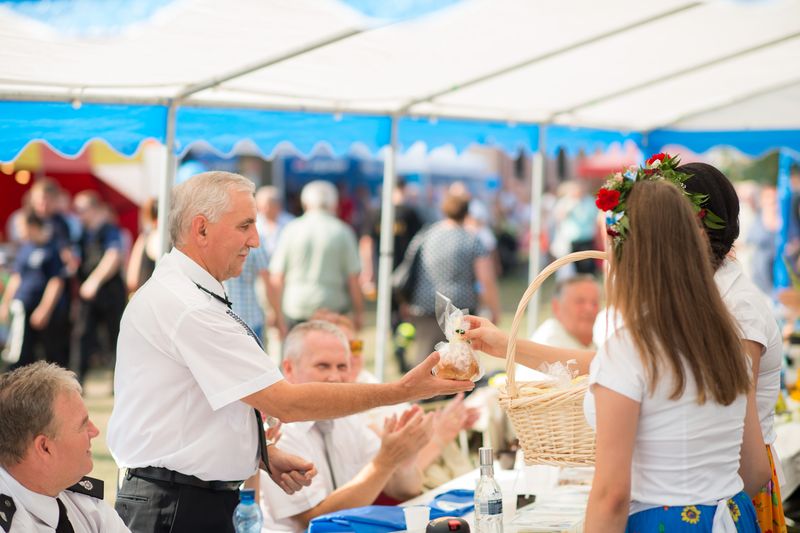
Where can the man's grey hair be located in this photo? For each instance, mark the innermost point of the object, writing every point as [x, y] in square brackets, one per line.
[294, 344]
[320, 195]
[27, 395]
[562, 285]
[207, 194]
[266, 194]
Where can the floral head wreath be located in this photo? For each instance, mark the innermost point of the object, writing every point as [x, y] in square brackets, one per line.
[613, 196]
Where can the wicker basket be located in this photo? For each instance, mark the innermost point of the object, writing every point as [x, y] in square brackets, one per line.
[549, 422]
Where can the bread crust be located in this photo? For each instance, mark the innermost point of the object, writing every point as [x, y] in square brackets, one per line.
[450, 371]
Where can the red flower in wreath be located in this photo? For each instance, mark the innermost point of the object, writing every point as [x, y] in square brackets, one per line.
[607, 199]
[657, 157]
[702, 214]
[611, 232]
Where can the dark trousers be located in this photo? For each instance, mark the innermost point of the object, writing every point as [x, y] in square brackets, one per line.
[586, 266]
[50, 343]
[163, 507]
[101, 314]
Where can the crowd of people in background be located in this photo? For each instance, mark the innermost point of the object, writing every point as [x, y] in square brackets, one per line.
[66, 293]
[70, 267]
[74, 267]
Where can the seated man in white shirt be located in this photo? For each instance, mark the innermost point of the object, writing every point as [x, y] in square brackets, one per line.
[575, 305]
[440, 459]
[355, 465]
[45, 450]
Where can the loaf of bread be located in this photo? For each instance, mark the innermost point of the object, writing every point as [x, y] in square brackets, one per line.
[448, 370]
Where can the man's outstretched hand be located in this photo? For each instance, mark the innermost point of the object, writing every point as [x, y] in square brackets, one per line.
[421, 383]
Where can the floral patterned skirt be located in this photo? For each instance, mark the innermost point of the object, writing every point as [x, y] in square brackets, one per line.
[693, 518]
[769, 505]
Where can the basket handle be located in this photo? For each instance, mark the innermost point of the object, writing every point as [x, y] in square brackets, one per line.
[523, 304]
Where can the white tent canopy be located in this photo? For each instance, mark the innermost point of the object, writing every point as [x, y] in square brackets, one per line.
[621, 64]
[530, 74]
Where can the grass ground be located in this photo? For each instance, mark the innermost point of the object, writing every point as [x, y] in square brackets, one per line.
[100, 400]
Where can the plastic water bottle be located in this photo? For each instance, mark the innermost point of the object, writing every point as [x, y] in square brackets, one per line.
[488, 497]
[247, 516]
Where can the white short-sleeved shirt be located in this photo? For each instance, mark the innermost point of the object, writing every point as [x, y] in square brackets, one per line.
[38, 513]
[552, 333]
[753, 314]
[752, 311]
[354, 446]
[183, 365]
[685, 453]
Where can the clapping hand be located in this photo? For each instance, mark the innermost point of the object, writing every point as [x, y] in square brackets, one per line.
[273, 433]
[452, 419]
[402, 437]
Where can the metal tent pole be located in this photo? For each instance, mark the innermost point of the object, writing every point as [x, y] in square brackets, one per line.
[386, 254]
[537, 191]
[167, 181]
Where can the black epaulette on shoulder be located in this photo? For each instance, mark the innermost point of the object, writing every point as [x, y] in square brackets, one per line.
[88, 486]
[7, 510]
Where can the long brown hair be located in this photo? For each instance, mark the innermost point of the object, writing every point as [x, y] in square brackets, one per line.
[663, 284]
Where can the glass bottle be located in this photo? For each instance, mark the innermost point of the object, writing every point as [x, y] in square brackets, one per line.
[488, 498]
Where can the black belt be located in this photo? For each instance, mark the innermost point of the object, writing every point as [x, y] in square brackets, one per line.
[155, 473]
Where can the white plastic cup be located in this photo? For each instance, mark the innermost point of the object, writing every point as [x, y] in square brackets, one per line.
[508, 481]
[509, 506]
[417, 517]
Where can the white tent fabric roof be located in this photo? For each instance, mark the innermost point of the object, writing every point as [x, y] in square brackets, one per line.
[621, 64]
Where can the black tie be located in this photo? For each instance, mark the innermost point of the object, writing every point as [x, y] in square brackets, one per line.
[262, 442]
[63, 521]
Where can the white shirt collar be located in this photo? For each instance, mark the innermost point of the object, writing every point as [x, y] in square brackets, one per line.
[197, 273]
[43, 507]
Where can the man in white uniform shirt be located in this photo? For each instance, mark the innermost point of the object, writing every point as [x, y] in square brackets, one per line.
[355, 464]
[45, 450]
[191, 377]
[575, 305]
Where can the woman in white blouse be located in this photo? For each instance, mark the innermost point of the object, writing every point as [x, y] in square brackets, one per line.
[669, 389]
[759, 329]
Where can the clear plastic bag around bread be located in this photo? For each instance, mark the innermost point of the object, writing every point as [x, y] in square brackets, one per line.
[458, 360]
[564, 374]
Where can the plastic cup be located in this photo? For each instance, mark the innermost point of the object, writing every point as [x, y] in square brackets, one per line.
[417, 517]
[509, 506]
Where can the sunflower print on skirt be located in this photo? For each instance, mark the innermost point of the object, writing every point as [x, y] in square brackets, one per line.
[693, 518]
[690, 514]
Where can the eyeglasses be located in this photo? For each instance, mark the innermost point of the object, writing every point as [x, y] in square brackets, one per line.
[356, 346]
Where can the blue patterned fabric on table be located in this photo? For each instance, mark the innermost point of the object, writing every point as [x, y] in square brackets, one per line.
[383, 519]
